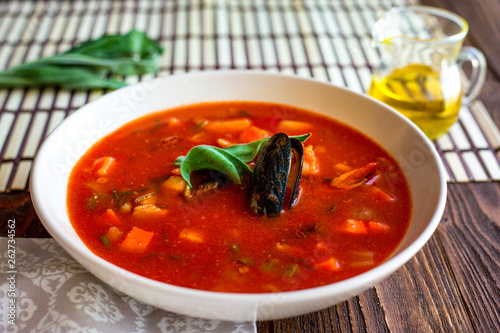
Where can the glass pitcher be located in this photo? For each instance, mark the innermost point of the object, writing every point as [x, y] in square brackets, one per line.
[419, 72]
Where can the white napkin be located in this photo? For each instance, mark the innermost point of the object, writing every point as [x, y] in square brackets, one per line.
[51, 292]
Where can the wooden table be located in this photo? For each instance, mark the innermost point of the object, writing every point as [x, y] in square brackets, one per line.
[452, 284]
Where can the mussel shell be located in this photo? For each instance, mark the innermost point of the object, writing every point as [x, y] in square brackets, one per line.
[268, 184]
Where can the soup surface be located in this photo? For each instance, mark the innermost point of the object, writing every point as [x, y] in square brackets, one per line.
[130, 205]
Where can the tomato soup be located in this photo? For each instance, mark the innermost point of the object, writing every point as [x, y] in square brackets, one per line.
[131, 205]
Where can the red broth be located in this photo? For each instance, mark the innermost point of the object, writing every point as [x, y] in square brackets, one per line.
[129, 205]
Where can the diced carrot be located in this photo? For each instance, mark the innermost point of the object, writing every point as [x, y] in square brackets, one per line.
[102, 166]
[175, 183]
[331, 264]
[310, 163]
[233, 126]
[176, 171]
[114, 234]
[191, 235]
[354, 226]
[378, 227]
[110, 218]
[380, 195]
[322, 246]
[294, 126]
[253, 133]
[362, 259]
[137, 240]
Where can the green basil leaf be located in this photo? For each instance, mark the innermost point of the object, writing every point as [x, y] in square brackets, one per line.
[90, 64]
[213, 158]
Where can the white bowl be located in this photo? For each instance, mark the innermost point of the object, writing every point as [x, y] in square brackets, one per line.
[404, 141]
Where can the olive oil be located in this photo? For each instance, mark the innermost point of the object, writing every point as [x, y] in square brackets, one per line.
[430, 99]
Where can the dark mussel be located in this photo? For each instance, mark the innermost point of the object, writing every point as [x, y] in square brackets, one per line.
[276, 175]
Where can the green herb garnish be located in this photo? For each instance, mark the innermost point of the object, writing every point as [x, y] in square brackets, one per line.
[90, 64]
[230, 160]
[149, 195]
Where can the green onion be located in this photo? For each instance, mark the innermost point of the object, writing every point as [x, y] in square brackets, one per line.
[230, 161]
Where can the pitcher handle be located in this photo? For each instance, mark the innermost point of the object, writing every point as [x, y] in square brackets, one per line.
[478, 75]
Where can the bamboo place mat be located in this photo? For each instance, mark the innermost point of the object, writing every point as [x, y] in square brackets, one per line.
[327, 40]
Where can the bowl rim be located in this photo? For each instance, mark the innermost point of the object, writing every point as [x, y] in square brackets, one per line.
[345, 286]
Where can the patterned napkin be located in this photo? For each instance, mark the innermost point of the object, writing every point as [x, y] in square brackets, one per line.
[51, 292]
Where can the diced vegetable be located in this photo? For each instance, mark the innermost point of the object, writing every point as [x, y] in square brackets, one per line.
[342, 167]
[354, 227]
[137, 240]
[380, 195]
[125, 208]
[378, 227]
[243, 269]
[174, 121]
[355, 177]
[245, 261]
[322, 246]
[362, 259]
[290, 250]
[105, 240]
[233, 126]
[235, 248]
[310, 164]
[253, 133]
[102, 166]
[200, 137]
[291, 270]
[175, 183]
[110, 218]
[294, 126]
[114, 234]
[223, 142]
[331, 264]
[92, 64]
[99, 201]
[191, 235]
[149, 198]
